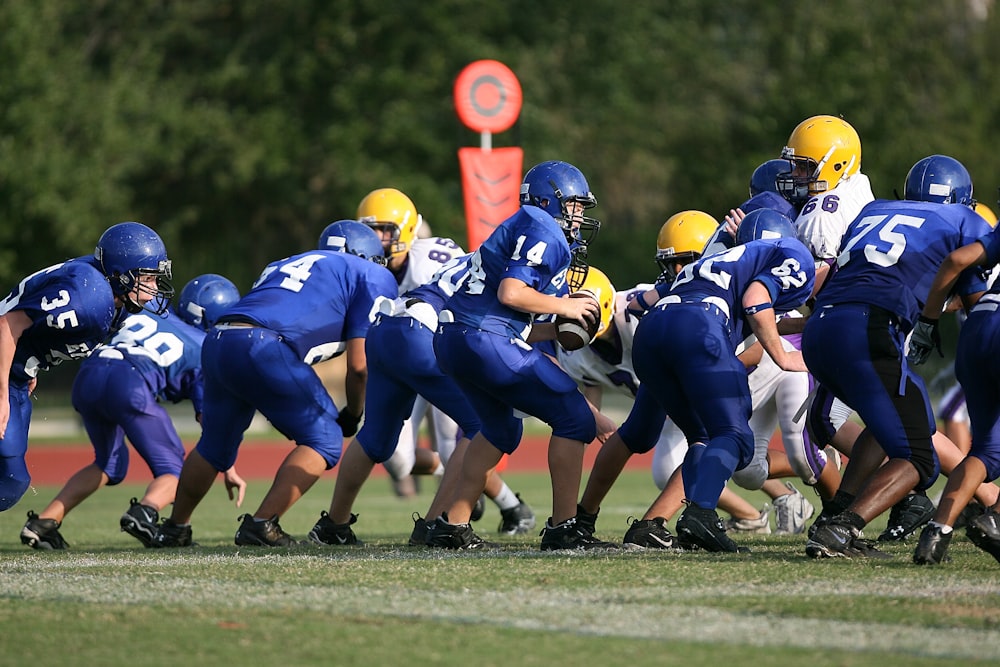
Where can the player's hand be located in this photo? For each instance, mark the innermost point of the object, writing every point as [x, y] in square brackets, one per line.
[925, 337]
[348, 422]
[584, 311]
[606, 427]
[236, 486]
[733, 220]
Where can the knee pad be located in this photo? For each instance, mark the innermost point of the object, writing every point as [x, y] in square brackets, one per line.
[12, 488]
[753, 476]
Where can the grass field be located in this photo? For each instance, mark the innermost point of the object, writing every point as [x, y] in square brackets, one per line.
[107, 601]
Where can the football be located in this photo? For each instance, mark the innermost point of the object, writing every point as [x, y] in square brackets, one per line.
[570, 334]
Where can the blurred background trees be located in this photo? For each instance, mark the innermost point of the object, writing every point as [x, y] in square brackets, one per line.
[239, 129]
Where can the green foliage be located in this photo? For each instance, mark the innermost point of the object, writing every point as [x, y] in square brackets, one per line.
[239, 129]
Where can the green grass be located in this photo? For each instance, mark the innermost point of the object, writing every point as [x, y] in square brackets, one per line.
[107, 601]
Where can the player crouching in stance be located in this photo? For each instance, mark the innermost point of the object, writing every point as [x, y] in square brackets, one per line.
[706, 313]
[482, 342]
[302, 310]
[118, 392]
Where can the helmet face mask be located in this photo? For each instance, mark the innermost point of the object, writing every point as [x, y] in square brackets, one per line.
[205, 298]
[823, 150]
[561, 190]
[134, 260]
[392, 214]
[681, 240]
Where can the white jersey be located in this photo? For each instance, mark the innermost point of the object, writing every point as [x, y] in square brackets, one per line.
[825, 217]
[607, 363]
[425, 258]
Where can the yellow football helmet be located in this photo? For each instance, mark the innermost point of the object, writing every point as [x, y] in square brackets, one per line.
[986, 213]
[682, 238]
[824, 150]
[389, 210]
[598, 284]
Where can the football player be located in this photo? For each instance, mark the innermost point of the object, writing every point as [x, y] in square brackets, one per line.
[707, 312]
[976, 369]
[853, 343]
[483, 342]
[302, 310]
[63, 312]
[414, 260]
[118, 392]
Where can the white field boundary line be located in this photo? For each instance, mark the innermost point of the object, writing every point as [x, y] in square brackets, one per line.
[643, 613]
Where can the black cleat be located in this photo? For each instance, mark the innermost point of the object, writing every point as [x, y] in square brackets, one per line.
[913, 511]
[444, 535]
[984, 532]
[169, 534]
[568, 535]
[478, 509]
[334, 534]
[518, 520]
[266, 533]
[42, 534]
[418, 537]
[840, 540]
[649, 534]
[586, 521]
[932, 546]
[140, 521]
[702, 528]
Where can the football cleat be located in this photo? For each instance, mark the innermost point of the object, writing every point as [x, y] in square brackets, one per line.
[444, 535]
[169, 534]
[932, 546]
[140, 521]
[42, 534]
[913, 511]
[478, 509]
[266, 533]
[648, 534]
[791, 512]
[517, 520]
[761, 525]
[569, 536]
[702, 528]
[418, 537]
[984, 532]
[334, 534]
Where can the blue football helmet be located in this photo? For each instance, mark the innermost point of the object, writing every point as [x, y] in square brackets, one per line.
[127, 253]
[353, 237]
[205, 298]
[764, 223]
[552, 186]
[765, 176]
[939, 179]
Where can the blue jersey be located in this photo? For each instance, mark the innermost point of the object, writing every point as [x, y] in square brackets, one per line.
[782, 265]
[165, 350]
[72, 309]
[529, 246]
[316, 301]
[773, 201]
[891, 253]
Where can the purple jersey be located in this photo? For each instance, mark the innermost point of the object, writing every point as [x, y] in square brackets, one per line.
[165, 350]
[72, 310]
[891, 253]
[782, 265]
[316, 301]
[529, 246]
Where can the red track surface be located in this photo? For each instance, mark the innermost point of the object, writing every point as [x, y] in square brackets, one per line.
[54, 464]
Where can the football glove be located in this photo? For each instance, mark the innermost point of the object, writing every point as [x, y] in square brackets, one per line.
[925, 337]
[348, 423]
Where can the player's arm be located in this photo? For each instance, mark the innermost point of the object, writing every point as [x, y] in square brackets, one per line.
[760, 315]
[12, 325]
[948, 273]
[354, 385]
[518, 295]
